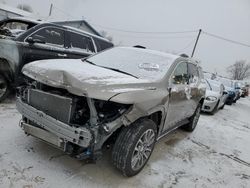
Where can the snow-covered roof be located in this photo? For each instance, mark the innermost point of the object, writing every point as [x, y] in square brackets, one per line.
[28, 19]
[81, 31]
[14, 10]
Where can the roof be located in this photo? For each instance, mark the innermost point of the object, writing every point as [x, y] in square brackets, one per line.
[35, 21]
[82, 31]
[14, 10]
[80, 23]
[26, 19]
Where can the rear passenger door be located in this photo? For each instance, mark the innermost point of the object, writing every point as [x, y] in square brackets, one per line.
[177, 105]
[78, 45]
[193, 82]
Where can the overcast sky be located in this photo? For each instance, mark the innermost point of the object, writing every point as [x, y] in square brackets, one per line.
[228, 18]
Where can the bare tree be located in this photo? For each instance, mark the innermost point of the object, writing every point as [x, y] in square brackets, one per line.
[239, 70]
[25, 7]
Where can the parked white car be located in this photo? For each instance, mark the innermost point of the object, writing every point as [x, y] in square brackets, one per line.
[215, 96]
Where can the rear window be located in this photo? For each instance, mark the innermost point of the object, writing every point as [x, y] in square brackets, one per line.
[102, 45]
[81, 42]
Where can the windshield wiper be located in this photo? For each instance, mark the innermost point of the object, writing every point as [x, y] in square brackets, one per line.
[118, 70]
[90, 62]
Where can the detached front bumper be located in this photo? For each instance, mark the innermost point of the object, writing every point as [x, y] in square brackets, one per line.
[208, 106]
[51, 130]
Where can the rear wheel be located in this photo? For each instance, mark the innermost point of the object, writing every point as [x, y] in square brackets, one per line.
[134, 146]
[193, 120]
[4, 88]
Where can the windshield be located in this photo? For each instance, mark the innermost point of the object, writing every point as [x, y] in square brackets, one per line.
[140, 63]
[215, 86]
[208, 85]
[226, 82]
[238, 84]
[14, 28]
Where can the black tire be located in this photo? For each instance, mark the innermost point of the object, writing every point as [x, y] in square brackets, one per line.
[215, 108]
[193, 120]
[222, 107]
[4, 88]
[229, 102]
[128, 139]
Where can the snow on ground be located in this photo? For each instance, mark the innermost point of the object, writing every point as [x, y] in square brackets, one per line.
[216, 154]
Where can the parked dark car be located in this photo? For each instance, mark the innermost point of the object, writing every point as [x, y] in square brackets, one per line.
[233, 94]
[24, 40]
[128, 97]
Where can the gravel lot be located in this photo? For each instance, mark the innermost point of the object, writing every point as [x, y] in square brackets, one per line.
[216, 154]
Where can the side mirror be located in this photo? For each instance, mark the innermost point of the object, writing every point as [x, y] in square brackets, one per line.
[31, 40]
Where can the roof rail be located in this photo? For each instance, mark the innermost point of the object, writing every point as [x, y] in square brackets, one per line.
[184, 55]
[139, 46]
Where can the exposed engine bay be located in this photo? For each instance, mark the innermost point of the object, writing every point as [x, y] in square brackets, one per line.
[81, 116]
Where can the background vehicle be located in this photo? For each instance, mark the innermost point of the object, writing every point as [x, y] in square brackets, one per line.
[128, 96]
[232, 92]
[237, 85]
[24, 40]
[216, 96]
[245, 88]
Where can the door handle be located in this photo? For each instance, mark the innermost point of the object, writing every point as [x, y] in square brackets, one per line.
[62, 55]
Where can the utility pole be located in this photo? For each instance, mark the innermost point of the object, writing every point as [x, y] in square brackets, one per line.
[50, 10]
[197, 39]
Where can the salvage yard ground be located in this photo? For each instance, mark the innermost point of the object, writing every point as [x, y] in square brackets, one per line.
[216, 154]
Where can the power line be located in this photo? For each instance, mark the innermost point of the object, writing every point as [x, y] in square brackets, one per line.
[225, 39]
[144, 32]
[187, 46]
[158, 32]
[157, 36]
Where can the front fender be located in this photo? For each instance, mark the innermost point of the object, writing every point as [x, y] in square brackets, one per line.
[9, 55]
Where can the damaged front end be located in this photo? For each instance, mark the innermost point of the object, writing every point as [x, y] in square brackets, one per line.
[79, 125]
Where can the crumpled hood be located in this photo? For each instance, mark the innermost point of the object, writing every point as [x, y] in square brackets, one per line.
[81, 78]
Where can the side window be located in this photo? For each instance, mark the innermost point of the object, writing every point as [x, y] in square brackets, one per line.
[50, 36]
[193, 73]
[97, 45]
[102, 45]
[201, 73]
[81, 42]
[180, 75]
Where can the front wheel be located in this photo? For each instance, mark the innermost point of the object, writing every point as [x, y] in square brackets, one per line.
[222, 107]
[134, 147]
[215, 108]
[193, 120]
[4, 88]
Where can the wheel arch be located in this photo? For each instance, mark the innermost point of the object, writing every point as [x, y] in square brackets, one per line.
[155, 115]
[202, 101]
[6, 70]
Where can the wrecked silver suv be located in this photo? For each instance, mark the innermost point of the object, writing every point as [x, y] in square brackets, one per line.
[125, 97]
